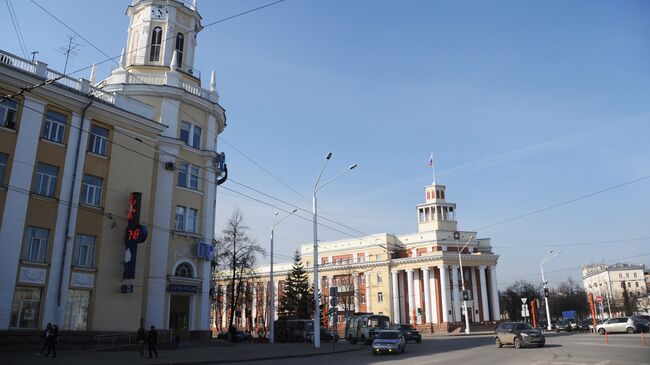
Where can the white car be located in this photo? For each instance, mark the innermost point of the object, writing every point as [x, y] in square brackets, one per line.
[388, 341]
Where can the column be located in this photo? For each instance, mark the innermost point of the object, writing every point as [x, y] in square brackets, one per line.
[456, 293]
[277, 299]
[15, 208]
[355, 282]
[254, 311]
[494, 299]
[368, 293]
[484, 294]
[411, 316]
[265, 305]
[434, 297]
[444, 293]
[418, 297]
[474, 295]
[395, 295]
[427, 295]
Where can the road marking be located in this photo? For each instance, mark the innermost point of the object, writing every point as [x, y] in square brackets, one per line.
[610, 345]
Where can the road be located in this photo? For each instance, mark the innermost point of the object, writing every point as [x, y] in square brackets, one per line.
[570, 349]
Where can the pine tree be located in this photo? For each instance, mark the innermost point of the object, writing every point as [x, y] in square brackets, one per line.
[297, 297]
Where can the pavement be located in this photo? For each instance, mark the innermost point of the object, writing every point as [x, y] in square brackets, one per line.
[214, 352]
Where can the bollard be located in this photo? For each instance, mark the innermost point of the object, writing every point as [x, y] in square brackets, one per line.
[606, 339]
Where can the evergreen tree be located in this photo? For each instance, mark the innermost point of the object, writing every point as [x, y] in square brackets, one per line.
[297, 295]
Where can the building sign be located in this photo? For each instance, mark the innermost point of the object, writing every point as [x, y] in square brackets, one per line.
[135, 233]
[183, 288]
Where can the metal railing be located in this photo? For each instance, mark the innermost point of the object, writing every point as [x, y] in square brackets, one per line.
[115, 340]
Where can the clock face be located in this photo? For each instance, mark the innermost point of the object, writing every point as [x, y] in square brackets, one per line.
[159, 12]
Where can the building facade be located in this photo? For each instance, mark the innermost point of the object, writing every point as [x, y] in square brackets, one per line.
[414, 278]
[107, 190]
[612, 281]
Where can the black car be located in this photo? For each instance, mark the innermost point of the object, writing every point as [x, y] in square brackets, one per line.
[585, 325]
[408, 332]
[563, 326]
[518, 334]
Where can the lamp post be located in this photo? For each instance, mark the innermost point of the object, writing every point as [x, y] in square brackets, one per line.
[315, 228]
[549, 256]
[272, 289]
[462, 280]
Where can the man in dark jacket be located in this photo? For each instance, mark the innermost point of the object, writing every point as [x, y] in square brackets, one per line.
[52, 337]
[140, 337]
[44, 337]
[152, 341]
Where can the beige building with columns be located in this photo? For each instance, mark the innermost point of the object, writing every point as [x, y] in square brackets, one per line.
[72, 152]
[413, 278]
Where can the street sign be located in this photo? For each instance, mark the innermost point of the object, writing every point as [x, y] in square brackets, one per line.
[524, 300]
[599, 299]
[334, 301]
[334, 291]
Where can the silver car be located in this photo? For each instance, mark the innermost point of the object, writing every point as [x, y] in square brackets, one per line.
[388, 341]
[620, 325]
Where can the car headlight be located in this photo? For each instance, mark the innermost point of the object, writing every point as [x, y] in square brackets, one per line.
[524, 334]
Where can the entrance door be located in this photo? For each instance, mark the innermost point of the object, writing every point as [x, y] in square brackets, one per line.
[179, 316]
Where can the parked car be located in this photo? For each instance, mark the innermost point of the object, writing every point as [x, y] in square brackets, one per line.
[223, 336]
[641, 317]
[242, 336]
[586, 324]
[591, 326]
[409, 333]
[563, 326]
[544, 325]
[518, 334]
[575, 325]
[622, 325]
[390, 341]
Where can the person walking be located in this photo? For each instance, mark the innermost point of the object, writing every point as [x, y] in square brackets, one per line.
[44, 337]
[140, 337]
[152, 341]
[52, 337]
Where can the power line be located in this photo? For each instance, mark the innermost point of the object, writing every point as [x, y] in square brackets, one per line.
[14, 21]
[589, 243]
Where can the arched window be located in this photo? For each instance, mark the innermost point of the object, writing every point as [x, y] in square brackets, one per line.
[180, 40]
[156, 39]
[184, 270]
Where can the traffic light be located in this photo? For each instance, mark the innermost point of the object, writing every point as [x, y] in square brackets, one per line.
[546, 295]
[466, 295]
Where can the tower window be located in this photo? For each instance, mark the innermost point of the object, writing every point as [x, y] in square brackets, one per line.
[156, 38]
[180, 40]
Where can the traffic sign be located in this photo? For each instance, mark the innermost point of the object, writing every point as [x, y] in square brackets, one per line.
[599, 299]
[524, 300]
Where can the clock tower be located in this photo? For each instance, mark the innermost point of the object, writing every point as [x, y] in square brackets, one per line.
[159, 31]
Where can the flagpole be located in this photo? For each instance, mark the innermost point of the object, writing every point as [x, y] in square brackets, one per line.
[433, 168]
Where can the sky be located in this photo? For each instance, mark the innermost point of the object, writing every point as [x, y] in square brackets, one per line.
[537, 115]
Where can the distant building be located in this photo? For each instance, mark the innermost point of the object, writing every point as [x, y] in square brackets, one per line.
[413, 278]
[611, 281]
[73, 151]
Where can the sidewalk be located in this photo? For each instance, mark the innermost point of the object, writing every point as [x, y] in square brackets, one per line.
[216, 352]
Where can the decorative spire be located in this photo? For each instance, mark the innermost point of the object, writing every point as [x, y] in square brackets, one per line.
[173, 64]
[213, 82]
[194, 5]
[122, 58]
[93, 73]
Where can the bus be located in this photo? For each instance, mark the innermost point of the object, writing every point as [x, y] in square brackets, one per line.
[363, 327]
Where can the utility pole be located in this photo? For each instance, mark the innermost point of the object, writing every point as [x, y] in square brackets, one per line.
[33, 55]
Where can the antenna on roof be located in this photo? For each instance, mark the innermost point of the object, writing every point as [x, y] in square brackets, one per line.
[68, 51]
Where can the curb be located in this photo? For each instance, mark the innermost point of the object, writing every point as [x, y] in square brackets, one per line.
[274, 357]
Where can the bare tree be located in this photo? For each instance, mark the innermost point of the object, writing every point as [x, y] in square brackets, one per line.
[236, 260]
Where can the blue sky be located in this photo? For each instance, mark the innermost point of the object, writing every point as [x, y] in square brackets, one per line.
[524, 105]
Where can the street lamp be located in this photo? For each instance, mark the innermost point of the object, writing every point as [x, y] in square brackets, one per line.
[549, 256]
[462, 280]
[314, 219]
[272, 315]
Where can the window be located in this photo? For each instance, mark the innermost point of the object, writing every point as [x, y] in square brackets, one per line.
[180, 218]
[35, 248]
[8, 113]
[76, 310]
[54, 127]
[156, 38]
[180, 40]
[629, 285]
[98, 143]
[185, 132]
[380, 297]
[620, 275]
[379, 278]
[26, 307]
[627, 274]
[637, 284]
[84, 252]
[192, 215]
[91, 190]
[196, 138]
[635, 275]
[363, 299]
[188, 176]
[45, 182]
[184, 270]
[3, 167]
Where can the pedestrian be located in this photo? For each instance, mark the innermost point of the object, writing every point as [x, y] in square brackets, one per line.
[52, 337]
[44, 337]
[152, 341]
[140, 337]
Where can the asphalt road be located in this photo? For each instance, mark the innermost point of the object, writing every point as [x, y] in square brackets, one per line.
[570, 349]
